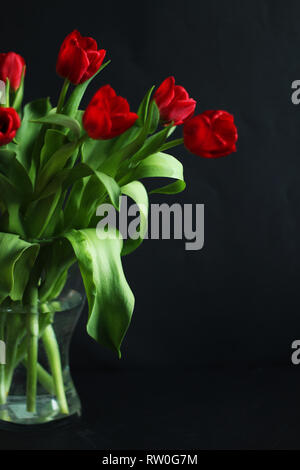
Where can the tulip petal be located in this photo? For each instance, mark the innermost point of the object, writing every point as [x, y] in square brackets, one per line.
[97, 122]
[107, 115]
[180, 93]
[165, 92]
[95, 59]
[119, 105]
[72, 63]
[12, 66]
[178, 111]
[9, 124]
[122, 122]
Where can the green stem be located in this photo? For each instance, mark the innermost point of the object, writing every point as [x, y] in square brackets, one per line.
[44, 378]
[32, 355]
[62, 96]
[45, 319]
[18, 97]
[15, 332]
[52, 351]
[32, 327]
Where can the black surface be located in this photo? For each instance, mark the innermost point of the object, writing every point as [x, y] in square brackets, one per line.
[204, 410]
[231, 311]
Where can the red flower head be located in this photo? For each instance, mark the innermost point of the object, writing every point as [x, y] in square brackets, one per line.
[12, 66]
[79, 58]
[173, 102]
[9, 124]
[211, 134]
[107, 115]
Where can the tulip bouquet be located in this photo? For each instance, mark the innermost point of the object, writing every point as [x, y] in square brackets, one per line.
[57, 165]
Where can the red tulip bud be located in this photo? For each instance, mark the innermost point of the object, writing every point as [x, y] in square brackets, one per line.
[107, 115]
[9, 124]
[211, 134]
[12, 66]
[173, 102]
[79, 58]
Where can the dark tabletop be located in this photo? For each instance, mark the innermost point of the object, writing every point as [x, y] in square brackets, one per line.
[175, 409]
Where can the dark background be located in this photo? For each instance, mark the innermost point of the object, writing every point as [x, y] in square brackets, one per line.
[206, 362]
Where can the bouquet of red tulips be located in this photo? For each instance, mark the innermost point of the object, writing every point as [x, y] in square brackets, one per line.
[57, 165]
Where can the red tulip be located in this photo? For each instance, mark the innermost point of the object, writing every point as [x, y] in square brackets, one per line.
[107, 115]
[79, 58]
[12, 66]
[173, 102]
[211, 134]
[9, 124]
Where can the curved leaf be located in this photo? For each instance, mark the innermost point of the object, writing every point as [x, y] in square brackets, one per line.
[55, 163]
[161, 165]
[111, 186]
[136, 191]
[60, 257]
[15, 172]
[109, 296]
[61, 120]
[54, 139]
[12, 200]
[143, 108]
[15, 270]
[152, 145]
[95, 152]
[153, 117]
[28, 133]
[39, 214]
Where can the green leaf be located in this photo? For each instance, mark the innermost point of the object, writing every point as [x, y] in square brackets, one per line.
[55, 164]
[29, 131]
[12, 200]
[15, 172]
[109, 296]
[109, 153]
[126, 138]
[61, 120]
[15, 270]
[143, 108]
[95, 152]
[136, 191]
[153, 118]
[93, 193]
[161, 165]
[112, 164]
[75, 98]
[39, 214]
[23, 267]
[172, 188]
[60, 257]
[65, 178]
[54, 140]
[73, 203]
[111, 186]
[152, 145]
[84, 196]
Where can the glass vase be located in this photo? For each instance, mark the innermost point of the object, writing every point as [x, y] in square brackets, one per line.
[35, 382]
